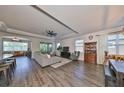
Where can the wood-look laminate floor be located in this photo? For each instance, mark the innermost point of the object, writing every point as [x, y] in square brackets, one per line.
[75, 74]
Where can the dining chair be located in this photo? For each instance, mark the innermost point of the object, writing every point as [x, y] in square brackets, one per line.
[10, 65]
[11, 60]
[6, 72]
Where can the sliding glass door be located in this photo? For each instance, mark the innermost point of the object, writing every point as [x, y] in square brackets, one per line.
[10, 46]
[45, 47]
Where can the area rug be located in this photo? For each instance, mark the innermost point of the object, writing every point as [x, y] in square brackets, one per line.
[63, 62]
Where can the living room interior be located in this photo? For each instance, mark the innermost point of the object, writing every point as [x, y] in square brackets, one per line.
[62, 46]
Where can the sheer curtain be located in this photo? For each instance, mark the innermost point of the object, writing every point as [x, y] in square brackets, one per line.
[101, 48]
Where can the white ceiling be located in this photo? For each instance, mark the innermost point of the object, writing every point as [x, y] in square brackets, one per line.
[88, 18]
[26, 18]
[83, 19]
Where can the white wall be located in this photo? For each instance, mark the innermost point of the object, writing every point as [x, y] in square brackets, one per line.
[71, 41]
[35, 42]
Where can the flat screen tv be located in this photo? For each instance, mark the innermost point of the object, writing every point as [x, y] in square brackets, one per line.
[65, 49]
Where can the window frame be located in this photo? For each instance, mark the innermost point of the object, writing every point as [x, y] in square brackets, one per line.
[13, 48]
[57, 45]
[81, 45]
[48, 48]
[117, 40]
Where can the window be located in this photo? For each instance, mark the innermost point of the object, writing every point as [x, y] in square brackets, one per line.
[116, 44]
[15, 46]
[45, 47]
[79, 45]
[58, 45]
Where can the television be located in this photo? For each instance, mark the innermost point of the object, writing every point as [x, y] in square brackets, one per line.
[65, 49]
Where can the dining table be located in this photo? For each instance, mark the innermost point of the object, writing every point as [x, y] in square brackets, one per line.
[5, 56]
[118, 68]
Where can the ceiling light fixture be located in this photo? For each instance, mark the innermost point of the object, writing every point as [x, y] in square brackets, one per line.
[51, 33]
[15, 39]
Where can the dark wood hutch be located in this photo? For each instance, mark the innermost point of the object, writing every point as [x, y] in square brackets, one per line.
[90, 52]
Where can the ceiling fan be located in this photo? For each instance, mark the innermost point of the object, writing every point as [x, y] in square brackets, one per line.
[51, 33]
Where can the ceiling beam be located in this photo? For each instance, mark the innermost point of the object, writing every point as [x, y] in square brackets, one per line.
[19, 32]
[46, 13]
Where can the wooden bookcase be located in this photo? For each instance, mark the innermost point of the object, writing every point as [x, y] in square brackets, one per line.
[90, 52]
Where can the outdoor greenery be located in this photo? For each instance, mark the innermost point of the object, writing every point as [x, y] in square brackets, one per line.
[15, 46]
[45, 47]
